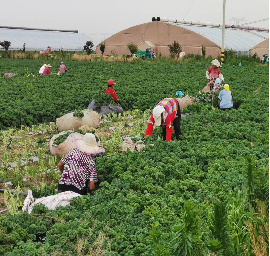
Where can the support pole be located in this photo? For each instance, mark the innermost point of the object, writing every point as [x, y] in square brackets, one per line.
[223, 32]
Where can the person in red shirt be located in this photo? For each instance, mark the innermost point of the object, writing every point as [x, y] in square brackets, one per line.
[110, 90]
[47, 70]
[165, 114]
[213, 73]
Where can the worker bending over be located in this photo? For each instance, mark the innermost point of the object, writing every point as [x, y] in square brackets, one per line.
[110, 90]
[165, 114]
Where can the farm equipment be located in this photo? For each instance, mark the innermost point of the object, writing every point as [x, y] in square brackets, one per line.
[147, 54]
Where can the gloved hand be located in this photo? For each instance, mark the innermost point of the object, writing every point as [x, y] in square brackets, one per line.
[221, 77]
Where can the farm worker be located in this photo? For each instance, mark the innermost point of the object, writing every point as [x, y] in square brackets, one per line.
[62, 69]
[47, 70]
[165, 114]
[9, 74]
[213, 73]
[265, 59]
[216, 87]
[110, 90]
[78, 166]
[41, 70]
[225, 99]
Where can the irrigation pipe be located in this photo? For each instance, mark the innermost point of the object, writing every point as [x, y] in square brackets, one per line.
[12, 192]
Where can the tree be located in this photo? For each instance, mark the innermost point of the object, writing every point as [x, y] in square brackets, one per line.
[102, 47]
[133, 48]
[5, 44]
[175, 49]
[88, 47]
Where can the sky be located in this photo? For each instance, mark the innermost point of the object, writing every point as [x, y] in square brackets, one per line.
[101, 19]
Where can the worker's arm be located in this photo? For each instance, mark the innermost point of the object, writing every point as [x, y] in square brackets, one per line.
[207, 74]
[61, 166]
[221, 77]
[91, 185]
[150, 126]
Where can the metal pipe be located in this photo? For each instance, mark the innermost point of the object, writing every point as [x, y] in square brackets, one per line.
[40, 29]
[182, 21]
[223, 26]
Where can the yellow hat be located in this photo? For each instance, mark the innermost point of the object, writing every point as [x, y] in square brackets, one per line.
[227, 87]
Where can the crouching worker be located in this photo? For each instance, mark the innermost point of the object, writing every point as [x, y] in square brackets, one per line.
[165, 114]
[213, 73]
[216, 87]
[225, 100]
[78, 166]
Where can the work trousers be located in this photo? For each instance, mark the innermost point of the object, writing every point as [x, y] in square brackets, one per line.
[236, 105]
[176, 125]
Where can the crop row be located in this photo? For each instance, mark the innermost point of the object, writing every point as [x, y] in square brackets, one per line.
[27, 100]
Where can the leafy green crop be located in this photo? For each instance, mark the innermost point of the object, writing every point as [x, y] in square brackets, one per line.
[205, 194]
[61, 138]
[78, 113]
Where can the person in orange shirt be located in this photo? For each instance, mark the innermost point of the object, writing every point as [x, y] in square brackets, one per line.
[165, 114]
[110, 90]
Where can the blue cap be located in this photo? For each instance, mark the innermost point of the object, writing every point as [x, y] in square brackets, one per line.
[179, 94]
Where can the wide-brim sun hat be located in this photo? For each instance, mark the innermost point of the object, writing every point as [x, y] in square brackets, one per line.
[111, 82]
[157, 111]
[89, 144]
[49, 66]
[215, 62]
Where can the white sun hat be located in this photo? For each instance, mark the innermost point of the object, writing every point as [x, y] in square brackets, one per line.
[89, 144]
[216, 63]
[157, 111]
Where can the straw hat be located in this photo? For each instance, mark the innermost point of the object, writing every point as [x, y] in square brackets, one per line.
[216, 63]
[49, 66]
[157, 111]
[89, 144]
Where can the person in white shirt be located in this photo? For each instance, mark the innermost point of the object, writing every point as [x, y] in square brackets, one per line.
[41, 70]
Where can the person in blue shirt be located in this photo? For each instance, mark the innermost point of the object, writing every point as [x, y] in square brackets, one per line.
[225, 100]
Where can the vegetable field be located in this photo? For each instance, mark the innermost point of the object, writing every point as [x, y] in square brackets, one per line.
[207, 194]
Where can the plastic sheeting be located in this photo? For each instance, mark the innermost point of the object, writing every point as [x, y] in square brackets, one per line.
[235, 39]
[40, 39]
